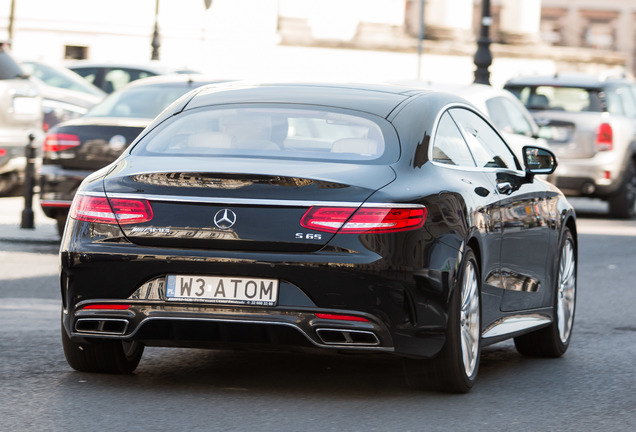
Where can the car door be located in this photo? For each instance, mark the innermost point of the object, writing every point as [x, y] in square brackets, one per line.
[524, 211]
[459, 173]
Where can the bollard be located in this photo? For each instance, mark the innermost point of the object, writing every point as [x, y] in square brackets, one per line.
[29, 184]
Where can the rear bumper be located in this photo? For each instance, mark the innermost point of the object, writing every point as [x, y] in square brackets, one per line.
[158, 324]
[599, 176]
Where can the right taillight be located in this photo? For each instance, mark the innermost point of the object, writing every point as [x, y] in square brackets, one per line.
[117, 210]
[364, 219]
[55, 142]
[604, 137]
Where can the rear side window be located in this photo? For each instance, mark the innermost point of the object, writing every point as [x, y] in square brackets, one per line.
[486, 146]
[620, 100]
[449, 146]
[271, 132]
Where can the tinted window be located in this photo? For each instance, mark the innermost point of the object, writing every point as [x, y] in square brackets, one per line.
[571, 99]
[9, 69]
[138, 102]
[275, 132]
[621, 101]
[486, 146]
[118, 78]
[449, 146]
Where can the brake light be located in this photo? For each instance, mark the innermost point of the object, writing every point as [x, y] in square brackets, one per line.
[117, 210]
[341, 317]
[364, 219]
[107, 306]
[56, 142]
[3, 152]
[604, 137]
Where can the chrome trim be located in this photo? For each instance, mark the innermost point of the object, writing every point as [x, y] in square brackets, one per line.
[100, 326]
[249, 201]
[513, 324]
[348, 339]
[248, 321]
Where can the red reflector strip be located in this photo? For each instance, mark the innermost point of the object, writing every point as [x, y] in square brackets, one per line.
[365, 219]
[341, 317]
[99, 210]
[107, 306]
[59, 204]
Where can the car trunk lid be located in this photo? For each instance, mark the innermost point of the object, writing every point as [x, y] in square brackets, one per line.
[238, 204]
[91, 143]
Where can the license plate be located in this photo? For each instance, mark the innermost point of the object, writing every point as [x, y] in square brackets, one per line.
[26, 105]
[223, 289]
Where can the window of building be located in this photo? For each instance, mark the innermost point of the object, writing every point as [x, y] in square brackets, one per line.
[74, 52]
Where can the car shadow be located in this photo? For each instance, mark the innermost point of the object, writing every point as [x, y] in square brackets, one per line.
[183, 371]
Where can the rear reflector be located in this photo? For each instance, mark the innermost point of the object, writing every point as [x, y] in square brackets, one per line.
[341, 317]
[604, 137]
[117, 210]
[56, 142]
[107, 306]
[364, 219]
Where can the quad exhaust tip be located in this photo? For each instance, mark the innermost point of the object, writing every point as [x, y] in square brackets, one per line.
[330, 336]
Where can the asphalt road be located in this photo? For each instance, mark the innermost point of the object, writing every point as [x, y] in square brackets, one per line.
[590, 389]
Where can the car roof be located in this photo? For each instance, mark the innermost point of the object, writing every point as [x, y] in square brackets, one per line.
[375, 99]
[174, 78]
[157, 68]
[565, 79]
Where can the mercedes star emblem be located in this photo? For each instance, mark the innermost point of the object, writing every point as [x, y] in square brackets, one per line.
[225, 219]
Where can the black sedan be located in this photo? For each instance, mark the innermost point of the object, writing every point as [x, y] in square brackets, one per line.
[357, 219]
[74, 149]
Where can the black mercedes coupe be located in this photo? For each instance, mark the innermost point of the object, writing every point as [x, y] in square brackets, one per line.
[338, 218]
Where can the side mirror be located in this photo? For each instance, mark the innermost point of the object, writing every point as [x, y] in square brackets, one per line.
[538, 160]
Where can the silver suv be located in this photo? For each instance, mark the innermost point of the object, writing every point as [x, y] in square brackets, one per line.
[591, 126]
[20, 115]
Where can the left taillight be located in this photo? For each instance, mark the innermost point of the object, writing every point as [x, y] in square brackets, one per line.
[364, 219]
[55, 142]
[604, 137]
[116, 210]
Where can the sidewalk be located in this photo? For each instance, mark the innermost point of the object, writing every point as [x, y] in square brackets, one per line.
[44, 231]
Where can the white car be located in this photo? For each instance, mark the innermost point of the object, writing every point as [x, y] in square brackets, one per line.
[503, 109]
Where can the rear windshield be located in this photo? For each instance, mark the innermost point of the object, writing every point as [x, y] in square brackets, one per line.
[270, 132]
[138, 102]
[571, 99]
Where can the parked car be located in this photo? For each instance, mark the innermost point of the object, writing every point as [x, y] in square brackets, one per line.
[345, 218]
[503, 109]
[65, 95]
[74, 149]
[113, 76]
[592, 123]
[20, 116]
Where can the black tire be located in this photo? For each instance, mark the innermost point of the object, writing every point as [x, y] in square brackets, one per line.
[553, 341]
[103, 356]
[61, 223]
[448, 371]
[621, 204]
[9, 185]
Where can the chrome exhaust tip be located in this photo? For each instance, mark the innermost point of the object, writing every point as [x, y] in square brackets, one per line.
[330, 336]
[105, 326]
